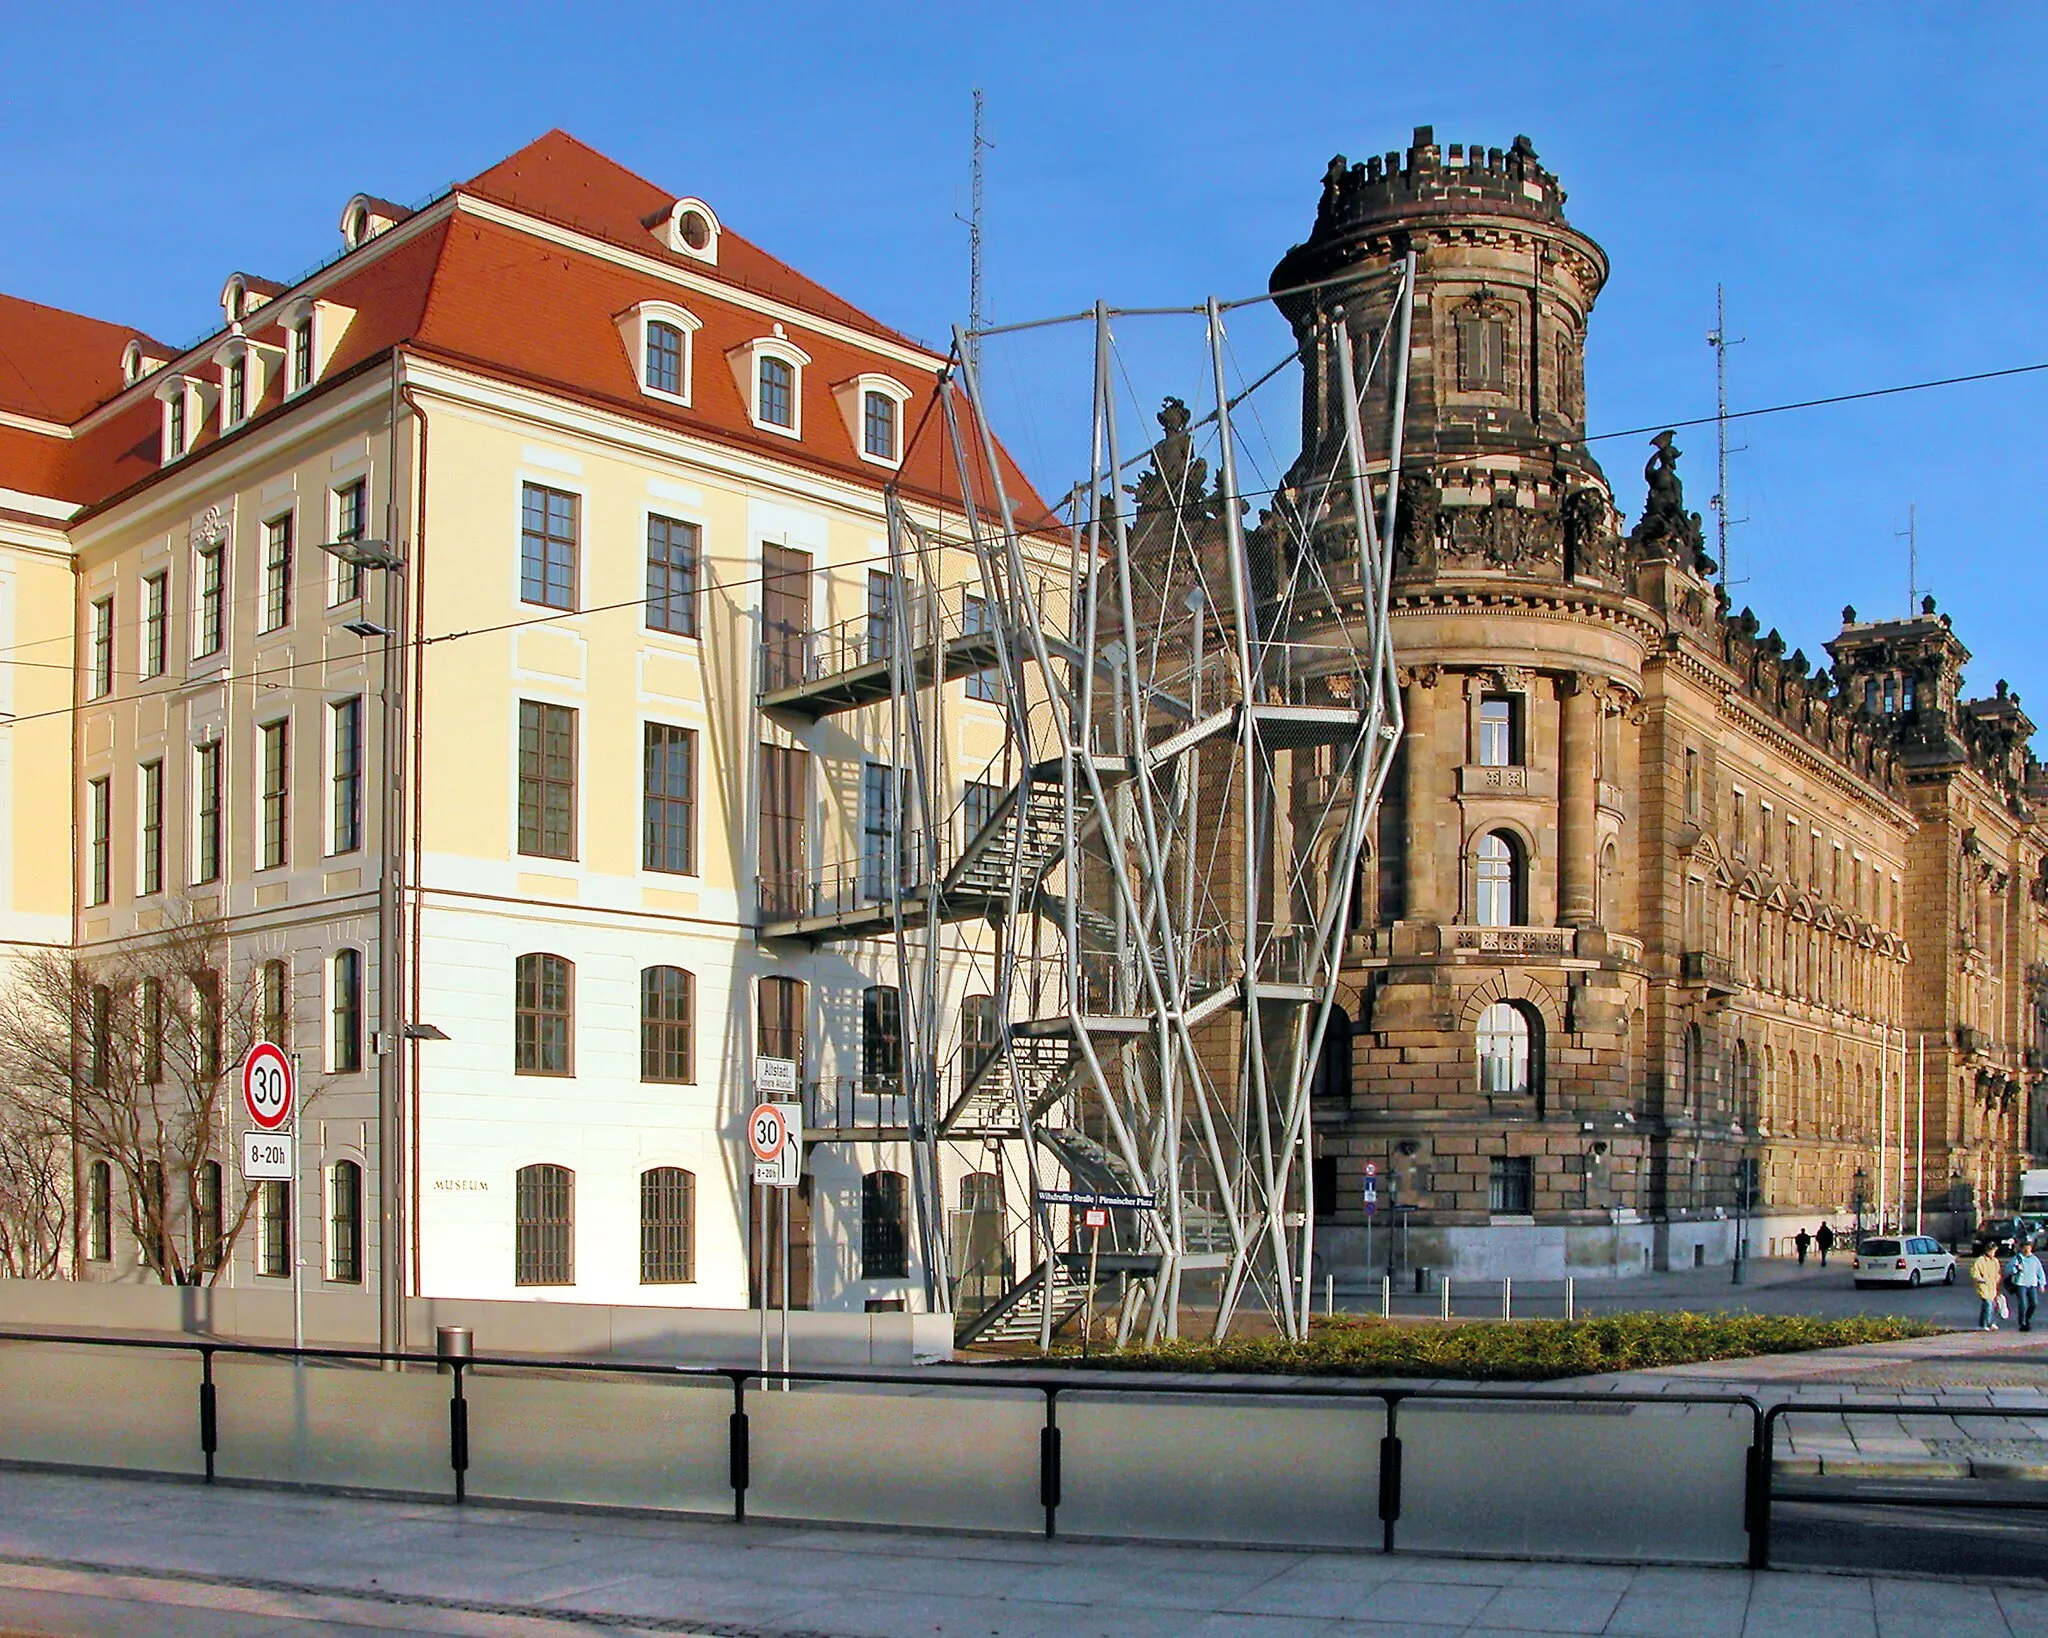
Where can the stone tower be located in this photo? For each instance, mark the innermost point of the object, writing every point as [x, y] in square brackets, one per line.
[1498, 472]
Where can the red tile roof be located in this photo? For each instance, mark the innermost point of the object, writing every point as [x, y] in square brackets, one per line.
[59, 366]
[525, 308]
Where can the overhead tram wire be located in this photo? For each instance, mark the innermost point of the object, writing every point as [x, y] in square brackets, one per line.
[1248, 494]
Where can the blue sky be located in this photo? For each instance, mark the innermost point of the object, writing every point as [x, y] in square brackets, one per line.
[1863, 179]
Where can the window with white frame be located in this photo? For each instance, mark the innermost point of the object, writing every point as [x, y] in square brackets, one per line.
[770, 372]
[206, 813]
[100, 678]
[659, 338]
[351, 504]
[149, 804]
[878, 418]
[99, 802]
[277, 574]
[235, 388]
[549, 540]
[177, 397]
[345, 764]
[672, 548]
[274, 741]
[156, 621]
[345, 1004]
[210, 631]
[301, 350]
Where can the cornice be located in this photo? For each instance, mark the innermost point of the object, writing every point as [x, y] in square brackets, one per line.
[1737, 709]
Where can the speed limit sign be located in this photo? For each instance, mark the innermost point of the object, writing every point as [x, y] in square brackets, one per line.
[267, 1088]
[775, 1135]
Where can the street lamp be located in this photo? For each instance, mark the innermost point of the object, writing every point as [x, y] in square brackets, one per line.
[360, 554]
[1862, 1179]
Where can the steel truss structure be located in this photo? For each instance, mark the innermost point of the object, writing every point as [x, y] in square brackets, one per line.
[1154, 881]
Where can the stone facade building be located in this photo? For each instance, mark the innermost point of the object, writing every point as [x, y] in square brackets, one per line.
[1663, 926]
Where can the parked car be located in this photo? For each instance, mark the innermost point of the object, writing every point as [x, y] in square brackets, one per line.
[1997, 1231]
[1916, 1259]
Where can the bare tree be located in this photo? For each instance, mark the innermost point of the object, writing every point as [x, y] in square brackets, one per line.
[35, 1193]
[129, 1056]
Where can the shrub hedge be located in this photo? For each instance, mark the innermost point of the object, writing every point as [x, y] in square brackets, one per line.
[1490, 1351]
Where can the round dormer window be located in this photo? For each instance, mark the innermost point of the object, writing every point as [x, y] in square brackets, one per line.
[695, 230]
[358, 225]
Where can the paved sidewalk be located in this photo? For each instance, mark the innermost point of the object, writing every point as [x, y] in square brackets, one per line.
[148, 1559]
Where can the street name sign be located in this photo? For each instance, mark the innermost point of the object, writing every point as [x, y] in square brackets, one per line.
[1114, 1202]
[775, 1134]
[773, 1076]
[268, 1089]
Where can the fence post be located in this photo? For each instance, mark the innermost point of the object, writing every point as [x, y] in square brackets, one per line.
[1049, 1460]
[1571, 1307]
[1386, 1296]
[209, 1412]
[1757, 1491]
[1507, 1297]
[1444, 1304]
[458, 1436]
[736, 1447]
[1390, 1473]
[1329, 1295]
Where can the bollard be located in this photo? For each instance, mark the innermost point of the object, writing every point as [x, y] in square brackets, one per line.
[1329, 1295]
[1571, 1311]
[1386, 1296]
[453, 1342]
[1445, 1312]
[1507, 1298]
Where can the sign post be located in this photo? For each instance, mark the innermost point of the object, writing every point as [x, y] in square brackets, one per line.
[1095, 1209]
[1372, 1205]
[775, 1135]
[270, 1086]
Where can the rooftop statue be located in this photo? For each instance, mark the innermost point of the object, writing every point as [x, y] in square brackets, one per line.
[1666, 523]
[1178, 479]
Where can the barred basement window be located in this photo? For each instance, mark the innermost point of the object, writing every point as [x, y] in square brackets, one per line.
[668, 1220]
[884, 1229]
[206, 1217]
[274, 1230]
[345, 1223]
[99, 1213]
[542, 1015]
[543, 1225]
[1511, 1186]
[666, 1005]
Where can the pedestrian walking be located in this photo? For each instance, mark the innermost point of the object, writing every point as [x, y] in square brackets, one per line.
[1826, 1241]
[1987, 1275]
[1801, 1241]
[2027, 1277]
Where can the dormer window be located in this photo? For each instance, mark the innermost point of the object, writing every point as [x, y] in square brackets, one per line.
[136, 362]
[185, 403]
[657, 337]
[664, 358]
[238, 391]
[769, 370]
[689, 227]
[878, 426]
[875, 409]
[774, 403]
[363, 218]
[302, 354]
[174, 427]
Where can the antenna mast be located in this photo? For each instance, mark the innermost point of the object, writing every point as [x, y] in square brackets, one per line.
[975, 315]
[1717, 338]
[1912, 536]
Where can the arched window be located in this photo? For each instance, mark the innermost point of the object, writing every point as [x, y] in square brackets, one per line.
[544, 1205]
[1333, 1065]
[1497, 881]
[1510, 1051]
[206, 1217]
[667, 1005]
[346, 1051]
[881, 1037]
[776, 400]
[277, 1003]
[978, 1040]
[985, 1262]
[884, 1226]
[345, 1223]
[779, 1020]
[664, 358]
[543, 999]
[99, 1218]
[668, 1226]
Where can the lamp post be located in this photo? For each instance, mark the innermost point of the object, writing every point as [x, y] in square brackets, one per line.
[1862, 1180]
[364, 554]
[1742, 1205]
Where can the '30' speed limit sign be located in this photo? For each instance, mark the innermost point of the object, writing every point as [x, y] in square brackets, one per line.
[775, 1135]
[267, 1088]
